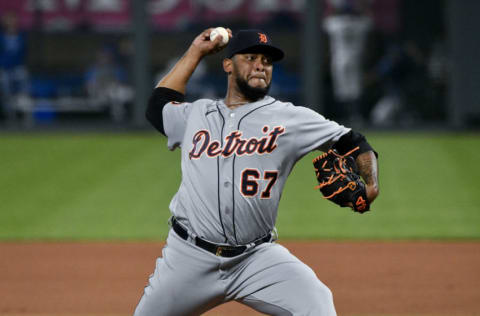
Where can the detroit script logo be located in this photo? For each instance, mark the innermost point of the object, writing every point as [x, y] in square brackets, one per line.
[234, 143]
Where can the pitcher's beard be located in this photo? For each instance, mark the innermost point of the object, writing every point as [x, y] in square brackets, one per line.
[252, 94]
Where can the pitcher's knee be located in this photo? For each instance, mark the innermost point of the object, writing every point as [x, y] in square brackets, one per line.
[325, 292]
[318, 301]
[323, 302]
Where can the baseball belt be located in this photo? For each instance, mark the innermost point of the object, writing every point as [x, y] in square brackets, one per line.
[218, 250]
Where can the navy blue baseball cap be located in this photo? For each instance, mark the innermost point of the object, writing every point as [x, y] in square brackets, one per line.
[253, 41]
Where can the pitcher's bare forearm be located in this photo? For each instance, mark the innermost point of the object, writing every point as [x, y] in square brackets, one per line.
[201, 46]
[179, 75]
[368, 168]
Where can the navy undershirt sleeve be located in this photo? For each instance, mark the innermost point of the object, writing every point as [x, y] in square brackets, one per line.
[351, 140]
[158, 99]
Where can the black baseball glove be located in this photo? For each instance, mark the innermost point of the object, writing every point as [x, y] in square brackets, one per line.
[339, 181]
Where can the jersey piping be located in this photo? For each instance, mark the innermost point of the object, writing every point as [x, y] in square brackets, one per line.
[218, 174]
[233, 169]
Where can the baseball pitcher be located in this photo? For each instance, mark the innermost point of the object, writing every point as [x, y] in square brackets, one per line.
[236, 154]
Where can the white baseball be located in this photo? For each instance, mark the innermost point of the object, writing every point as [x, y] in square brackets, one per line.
[219, 31]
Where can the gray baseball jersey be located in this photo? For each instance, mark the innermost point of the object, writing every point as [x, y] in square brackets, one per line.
[234, 166]
[235, 162]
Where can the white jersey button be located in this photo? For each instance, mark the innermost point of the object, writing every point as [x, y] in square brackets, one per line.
[232, 114]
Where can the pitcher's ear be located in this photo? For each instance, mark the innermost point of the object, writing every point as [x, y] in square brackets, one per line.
[228, 65]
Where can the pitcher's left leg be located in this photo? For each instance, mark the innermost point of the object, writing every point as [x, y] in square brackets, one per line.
[275, 282]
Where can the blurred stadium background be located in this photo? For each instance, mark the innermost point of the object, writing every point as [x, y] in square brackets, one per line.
[78, 161]
[399, 70]
[92, 63]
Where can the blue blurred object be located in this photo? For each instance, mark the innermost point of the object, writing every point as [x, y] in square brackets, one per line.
[51, 86]
[44, 112]
[42, 87]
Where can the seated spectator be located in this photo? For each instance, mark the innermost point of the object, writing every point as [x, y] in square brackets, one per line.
[106, 84]
[14, 78]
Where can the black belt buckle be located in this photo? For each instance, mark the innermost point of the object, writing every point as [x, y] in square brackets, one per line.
[217, 250]
[229, 251]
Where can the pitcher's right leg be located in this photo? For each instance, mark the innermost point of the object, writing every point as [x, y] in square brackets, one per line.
[185, 282]
[275, 282]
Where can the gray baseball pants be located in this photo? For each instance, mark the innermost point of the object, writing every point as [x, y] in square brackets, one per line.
[190, 281]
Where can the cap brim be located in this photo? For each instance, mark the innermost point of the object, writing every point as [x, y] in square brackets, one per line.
[275, 53]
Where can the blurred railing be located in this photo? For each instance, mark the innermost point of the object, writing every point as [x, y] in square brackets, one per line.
[405, 70]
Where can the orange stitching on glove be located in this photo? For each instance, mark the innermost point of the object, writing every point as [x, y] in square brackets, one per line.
[341, 163]
[351, 185]
[320, 157]
[347, 154]
[330, 180]
[351, 151]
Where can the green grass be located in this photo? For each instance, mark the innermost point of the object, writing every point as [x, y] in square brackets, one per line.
[428, 185]
[101, 186]
[85, 186]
